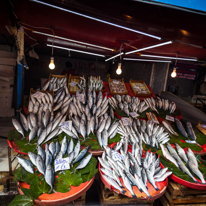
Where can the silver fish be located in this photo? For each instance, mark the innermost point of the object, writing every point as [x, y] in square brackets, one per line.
[84, 162]
[163, 177]
[70, 146]
[49, 176]
[181, 152]
[32, 157]
[64, 146]
[76, 149]
[18, 127]
[48, 160]
[52, 148]
[24, 122]
[167, 155]
[81, 154]
[25, 164]
[40, 164]
[196, 171]
[33, 133]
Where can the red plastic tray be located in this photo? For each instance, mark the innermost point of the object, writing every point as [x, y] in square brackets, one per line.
[59, 198]
[13, 146]
[186, 183]
[155, 194]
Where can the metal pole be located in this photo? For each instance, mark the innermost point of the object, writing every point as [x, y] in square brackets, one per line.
[152, 76]
[166, 76]
[20, 74]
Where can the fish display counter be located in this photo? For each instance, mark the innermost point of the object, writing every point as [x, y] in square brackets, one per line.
[142, 141]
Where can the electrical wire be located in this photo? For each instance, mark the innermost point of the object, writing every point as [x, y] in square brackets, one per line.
[29, 36]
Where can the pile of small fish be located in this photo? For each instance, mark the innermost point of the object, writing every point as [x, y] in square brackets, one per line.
[40, 103]
[126, 104]
[133, 169]
[82, 83]
[55, 83]
[177, 158]
[95, 83]
[190, 132]
[42, 125]
[139, 130]
[44, 159]
[92, 116]
[164, 104]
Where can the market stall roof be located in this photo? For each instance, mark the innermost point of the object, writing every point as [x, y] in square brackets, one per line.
[186, 29]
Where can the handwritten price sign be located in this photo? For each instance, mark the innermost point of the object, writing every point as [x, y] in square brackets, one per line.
[73, 84]
[62, 164]
[134, 114]
[38, 95]
[80, 97]
[126, 121]
[66, 125]
[117, 156]
[169, 118]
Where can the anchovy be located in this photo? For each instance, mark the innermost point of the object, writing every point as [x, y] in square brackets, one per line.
[26, 164]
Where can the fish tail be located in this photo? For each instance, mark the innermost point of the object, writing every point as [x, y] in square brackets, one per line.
[156, 189]
[134, 196]
[123, 192]
[54, 191]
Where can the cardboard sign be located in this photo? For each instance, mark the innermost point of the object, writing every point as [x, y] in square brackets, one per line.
[66, 125]
[115, 81]
[170, 118]
[73, 84]
[192, 142]
[80, 97]
[134, 114]
[126, 121]
[61, 164]
[38, 95]
[117, 156]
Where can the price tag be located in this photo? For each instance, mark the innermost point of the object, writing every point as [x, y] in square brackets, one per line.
[203, 126]
[126, 121]
[192, 142]
[80, 97]
[115, 81]
[66, 125]
[169, 118]
[38, 95]
[117, 156]
[61, 164]
[134, 114]
[73, 84]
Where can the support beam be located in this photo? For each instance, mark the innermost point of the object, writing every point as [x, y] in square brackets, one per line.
[152, 75]
[20, 78]
[166, 76]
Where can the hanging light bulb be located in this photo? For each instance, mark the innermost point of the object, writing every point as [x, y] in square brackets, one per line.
[52, 65]
[119, 70]
[174, 74]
